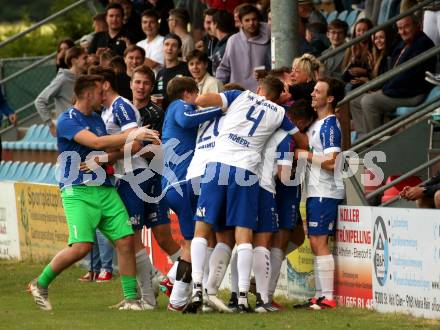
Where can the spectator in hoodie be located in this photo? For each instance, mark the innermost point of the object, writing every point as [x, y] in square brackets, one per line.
[61, 87]
[246, 50]
[222, 28]
[408, 88]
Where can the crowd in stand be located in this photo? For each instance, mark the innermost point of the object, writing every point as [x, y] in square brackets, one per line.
[157, 63]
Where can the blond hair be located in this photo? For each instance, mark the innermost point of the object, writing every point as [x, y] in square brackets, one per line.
[309, 64]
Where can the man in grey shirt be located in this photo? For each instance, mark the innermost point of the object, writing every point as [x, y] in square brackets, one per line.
[60, 90]
[336, 33]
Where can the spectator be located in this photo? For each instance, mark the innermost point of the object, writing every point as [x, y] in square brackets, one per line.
[382, 40]
[153, 44]
[315, 36]
[252, 40]
[178, 22]
[163, 7]
[105, 57]
[304, 74]
[131, 20]
[172, 66]
[6, 110]
[61, 87]
[99, 23]
[195, 11]
[115, 38]
[426, 195]
[228, 5]
[209, 41]
[63, 46]
[133, 57]
[356, 65]
[117, 64]
[408, 88]
[222, 28]
[336, 33]
[307, 10]
[198, 67]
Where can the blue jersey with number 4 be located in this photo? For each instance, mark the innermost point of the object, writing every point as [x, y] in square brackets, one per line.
[249, 122]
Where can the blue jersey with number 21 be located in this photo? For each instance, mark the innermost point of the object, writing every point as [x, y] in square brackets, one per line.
[249, 122]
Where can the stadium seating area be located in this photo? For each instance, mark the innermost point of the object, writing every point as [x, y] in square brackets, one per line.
[28, 171]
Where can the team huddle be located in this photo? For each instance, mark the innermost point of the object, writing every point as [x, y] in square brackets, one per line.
[228, 164]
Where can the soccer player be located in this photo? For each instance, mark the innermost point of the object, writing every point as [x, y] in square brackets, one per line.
[179, 139]
[89, 200]
[251, 119]
[288, 198]
[325, 189]
[142, 82]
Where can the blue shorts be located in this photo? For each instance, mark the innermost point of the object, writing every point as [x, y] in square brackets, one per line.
[143, 213]
[267, 221]
[288, 199]
[183, 203]
[321, 215]
[231, 186]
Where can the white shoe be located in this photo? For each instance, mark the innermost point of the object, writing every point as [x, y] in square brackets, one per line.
[146, 306]
[217, 304]
[40, 294]
[131, 305]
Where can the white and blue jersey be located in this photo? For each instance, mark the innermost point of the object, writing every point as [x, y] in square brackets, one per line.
[325, 190]
[248, 124]
[121, 116]
[70, 123]
[324, 138]
[181, 124]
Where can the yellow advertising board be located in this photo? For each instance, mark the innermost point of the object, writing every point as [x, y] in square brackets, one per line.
[41, 221]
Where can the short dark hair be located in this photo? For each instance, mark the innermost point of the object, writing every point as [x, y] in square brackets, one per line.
[273, 86]
[99, 17]
[302, 109]
[145, 70]
[178, 85]
[336, 88]
[248, 9]
[114, 6]
[233, 86]
[338, 24]
[198, 55]
[181, 15]
[316, 28]
[224, 21]
[73, 52]
[209, 12]
[151, 13]
[69, 42]
[134, 48]
[84, 82]
[173, 36]
[117, 62]
[107, 74]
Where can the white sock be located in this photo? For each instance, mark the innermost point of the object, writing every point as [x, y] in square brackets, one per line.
[218, 264]
[206, 267]
[234, 273]
[326, 271]
[172, 273]
[198, 254]
[176, 255]
[180, 294]
[244, 266]
[262, 271]
[276, 260]
[144, 274]
[318, 291]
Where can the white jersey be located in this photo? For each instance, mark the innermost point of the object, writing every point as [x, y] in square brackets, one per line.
[248, 124]
[122, 115]
[206, 137]
[324, 138]
[275, 152]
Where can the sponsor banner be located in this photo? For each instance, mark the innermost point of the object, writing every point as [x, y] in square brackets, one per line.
[41, 220]
[9, 242]
[406, 261]
[353, 256]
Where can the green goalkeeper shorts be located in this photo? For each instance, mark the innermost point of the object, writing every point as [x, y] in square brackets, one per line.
[90, 207]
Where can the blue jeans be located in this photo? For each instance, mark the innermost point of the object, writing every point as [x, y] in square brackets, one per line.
[102, 254]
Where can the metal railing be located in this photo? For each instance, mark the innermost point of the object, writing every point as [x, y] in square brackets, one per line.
[368, 33]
